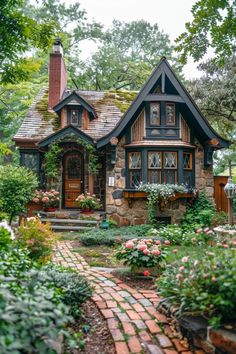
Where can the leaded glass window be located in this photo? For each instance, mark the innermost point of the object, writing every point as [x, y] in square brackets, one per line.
[155, 114]
[134, 160]
[30, 161]
[74, 117]
[187, 161]
[170, 160]
[170, 114]
[154, 159]
[135, 172]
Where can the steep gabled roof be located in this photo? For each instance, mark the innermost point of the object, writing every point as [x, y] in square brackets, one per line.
[164, 72]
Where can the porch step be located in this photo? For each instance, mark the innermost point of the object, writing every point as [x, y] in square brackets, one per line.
[71, 228]
[70, 221]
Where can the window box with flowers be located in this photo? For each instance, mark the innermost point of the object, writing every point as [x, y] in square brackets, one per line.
[88, 202]
[48, 199]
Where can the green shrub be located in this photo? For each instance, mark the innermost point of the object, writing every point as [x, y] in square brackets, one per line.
[200, 213]
[5, 237]
[17, 186]
[204, 286]
[112, 236]
[38, 238]
[142, 253]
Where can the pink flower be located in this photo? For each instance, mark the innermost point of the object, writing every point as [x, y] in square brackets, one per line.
[185, 259]
[156, 252]
[181, 268]
[129, 245]
[45, 199]
[36, 200]
[198, 231]
[157, 242]
[141, 247]
[123, 251]
[175, 250]
[167, 242]
[146, 252]
[178, 276]
[194, 239]
[146, 273]
[226, 246]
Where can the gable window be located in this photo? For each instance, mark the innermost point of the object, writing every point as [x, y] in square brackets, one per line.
[135, 165]
[155, 114]
[170, 114]
[75, 117]
[154, 166]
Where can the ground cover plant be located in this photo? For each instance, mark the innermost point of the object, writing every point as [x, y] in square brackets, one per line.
[37, 303]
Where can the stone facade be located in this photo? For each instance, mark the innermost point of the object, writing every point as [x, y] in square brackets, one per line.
[118, 208]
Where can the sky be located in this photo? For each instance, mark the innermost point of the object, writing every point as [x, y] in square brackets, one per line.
[171, 16]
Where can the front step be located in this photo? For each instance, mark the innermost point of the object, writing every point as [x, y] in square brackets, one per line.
[71, 224]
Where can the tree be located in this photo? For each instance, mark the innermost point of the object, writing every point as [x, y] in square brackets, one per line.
[17, 187]
[213, 26]
[126, 56]
[214, 93]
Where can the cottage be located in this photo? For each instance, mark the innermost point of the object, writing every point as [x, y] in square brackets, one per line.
[113, 140]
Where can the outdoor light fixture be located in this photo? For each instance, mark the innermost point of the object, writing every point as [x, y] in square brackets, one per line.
[230, 191]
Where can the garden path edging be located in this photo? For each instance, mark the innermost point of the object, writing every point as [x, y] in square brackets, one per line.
[133, 321]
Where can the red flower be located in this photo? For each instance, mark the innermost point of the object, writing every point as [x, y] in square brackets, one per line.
[146, 273]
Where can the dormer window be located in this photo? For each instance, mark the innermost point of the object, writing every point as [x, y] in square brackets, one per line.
[155, 114]
[170, 114]
[76, 117]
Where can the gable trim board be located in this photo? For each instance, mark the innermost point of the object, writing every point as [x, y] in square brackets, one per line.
[67, 131]
[161, 70]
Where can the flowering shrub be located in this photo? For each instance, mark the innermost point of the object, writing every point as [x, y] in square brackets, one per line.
[88, 201]
[177, 236]
[158, 193]
[48, 198]
[142, 252]
[205, 286]
[38, 238]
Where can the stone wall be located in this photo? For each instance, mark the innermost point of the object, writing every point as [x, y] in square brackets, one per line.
[204, 180]
[136, 213]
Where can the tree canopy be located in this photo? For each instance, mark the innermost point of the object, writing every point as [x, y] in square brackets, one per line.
[213, 26]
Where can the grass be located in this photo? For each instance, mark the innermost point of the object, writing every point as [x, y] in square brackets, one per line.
[99, 256]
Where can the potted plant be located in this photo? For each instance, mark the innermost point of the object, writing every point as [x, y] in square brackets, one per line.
[49, 199]
[88, 202]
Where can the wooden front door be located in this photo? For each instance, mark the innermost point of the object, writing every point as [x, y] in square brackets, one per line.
[73, 178]
[219, 193]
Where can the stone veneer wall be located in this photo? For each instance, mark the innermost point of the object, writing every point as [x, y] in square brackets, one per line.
[118, 208]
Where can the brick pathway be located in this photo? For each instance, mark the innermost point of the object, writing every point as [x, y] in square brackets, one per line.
[132, 319]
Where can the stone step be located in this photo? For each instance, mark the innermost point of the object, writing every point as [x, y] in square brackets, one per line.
[70, 221]
[71, 228]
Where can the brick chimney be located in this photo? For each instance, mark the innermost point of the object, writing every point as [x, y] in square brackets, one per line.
[57, 75]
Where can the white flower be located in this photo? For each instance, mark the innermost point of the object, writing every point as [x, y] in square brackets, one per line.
[5, 225]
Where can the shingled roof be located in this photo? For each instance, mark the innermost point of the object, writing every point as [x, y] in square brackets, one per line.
[108, 105]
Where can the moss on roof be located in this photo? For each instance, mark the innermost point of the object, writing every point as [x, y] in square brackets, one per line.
[42, 108]
[121, 99]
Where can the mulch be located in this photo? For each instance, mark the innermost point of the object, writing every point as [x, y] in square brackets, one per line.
[98, 338]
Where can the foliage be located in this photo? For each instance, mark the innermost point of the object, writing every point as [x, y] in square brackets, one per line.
[177, 236]
[38, 238]
[17, 185]
[142, 252]
[48, 198]
[199, 213]
[213, 26]
[52, 160]
[5, 237]
[88, 201]
[72, 289]
[204, 286]
[126, 55]
[159, 193]
[113, 236]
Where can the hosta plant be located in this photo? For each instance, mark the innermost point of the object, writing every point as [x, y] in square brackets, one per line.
[204, 286]
[138, 253]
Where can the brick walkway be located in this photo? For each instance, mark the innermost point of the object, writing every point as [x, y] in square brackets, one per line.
[132, 319]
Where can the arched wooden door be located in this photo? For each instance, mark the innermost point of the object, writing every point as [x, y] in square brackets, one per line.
[73, 178]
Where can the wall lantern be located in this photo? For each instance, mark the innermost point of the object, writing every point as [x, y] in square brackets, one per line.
[230, 191]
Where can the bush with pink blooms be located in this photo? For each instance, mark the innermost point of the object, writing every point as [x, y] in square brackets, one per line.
[48, 198]
[138, 253]
[204, 286]
[88, 201]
